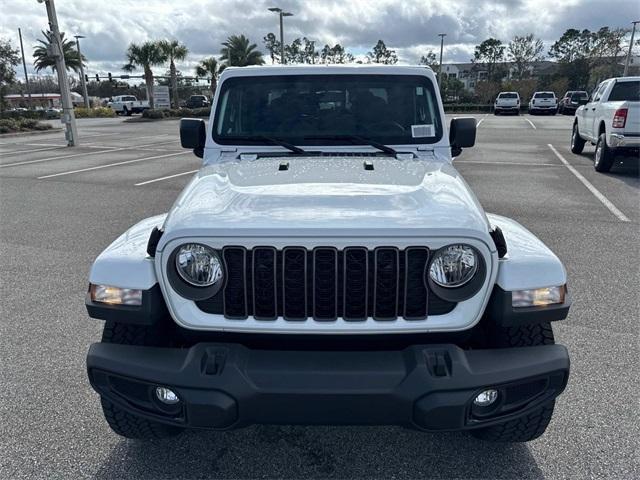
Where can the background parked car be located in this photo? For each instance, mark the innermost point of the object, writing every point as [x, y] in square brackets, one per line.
[197, 101]
[508, 102]
[572, 100]
[543, 102]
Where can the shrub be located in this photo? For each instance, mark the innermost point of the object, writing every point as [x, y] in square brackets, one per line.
[28, 123]
[8, 125]
[153, 114]
[98, 112]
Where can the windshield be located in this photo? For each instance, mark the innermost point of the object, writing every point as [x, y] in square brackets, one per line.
[508, 95]
[315, 109]
[544, 95]
[629, 91]
[579, 95]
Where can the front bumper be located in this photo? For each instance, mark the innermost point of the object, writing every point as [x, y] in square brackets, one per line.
[617, 140]
[430, 387]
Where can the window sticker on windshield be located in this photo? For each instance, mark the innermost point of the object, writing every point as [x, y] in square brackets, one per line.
[421, 131]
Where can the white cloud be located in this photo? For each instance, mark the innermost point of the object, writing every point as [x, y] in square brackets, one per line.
[410, 26]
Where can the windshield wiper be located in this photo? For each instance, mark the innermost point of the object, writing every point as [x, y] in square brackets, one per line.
[264, 138]
[355, 138]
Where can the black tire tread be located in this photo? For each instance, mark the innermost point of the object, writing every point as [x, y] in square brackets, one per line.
[131, 426]
[578, 146]
[122, 422]
[523, 336]
[523, 429]
[124, 334]
[607, 158]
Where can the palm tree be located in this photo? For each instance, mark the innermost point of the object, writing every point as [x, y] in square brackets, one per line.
[174, 50]
[209, 67]
[43, 59]
[146, 55]
[237, 51]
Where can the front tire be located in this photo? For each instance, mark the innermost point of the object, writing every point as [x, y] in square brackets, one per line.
[534, 424]
[124, 423]
[577, 142]
[604, 156]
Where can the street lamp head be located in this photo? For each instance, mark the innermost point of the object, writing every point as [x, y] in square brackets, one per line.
[272, 9]
[79, 36]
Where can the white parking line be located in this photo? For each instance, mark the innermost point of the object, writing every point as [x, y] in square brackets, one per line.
[605, 201]
[480, 121]
[524, 164]
[165, 178]
[98, 167]
[530, 123]
[61, 157]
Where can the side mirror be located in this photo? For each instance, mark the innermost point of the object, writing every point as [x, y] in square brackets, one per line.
[462, 134]
[193, 134]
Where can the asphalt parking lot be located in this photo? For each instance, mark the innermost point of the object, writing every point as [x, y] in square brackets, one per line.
[60, 207]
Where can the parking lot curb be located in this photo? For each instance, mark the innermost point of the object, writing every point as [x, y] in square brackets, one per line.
[27, 134]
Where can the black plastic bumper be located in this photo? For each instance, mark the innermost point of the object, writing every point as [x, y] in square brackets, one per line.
[431, 387]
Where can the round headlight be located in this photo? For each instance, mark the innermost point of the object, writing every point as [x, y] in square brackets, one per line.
[453, 266]
[199, 265]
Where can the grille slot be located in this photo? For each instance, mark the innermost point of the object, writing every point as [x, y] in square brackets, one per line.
[416, 296]
[294, 275]
[325, 283]
[235, 290]
[264, 283]
[386, 282]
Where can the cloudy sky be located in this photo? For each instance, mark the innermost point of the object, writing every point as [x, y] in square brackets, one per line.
[409, 27]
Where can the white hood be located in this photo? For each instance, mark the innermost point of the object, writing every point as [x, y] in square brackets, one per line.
[335, 195]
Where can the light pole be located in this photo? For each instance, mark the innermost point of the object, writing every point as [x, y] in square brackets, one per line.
[633, 34]
[24, 66]
[281, 13]
[68, 115]
[83, 81]
[441, 35]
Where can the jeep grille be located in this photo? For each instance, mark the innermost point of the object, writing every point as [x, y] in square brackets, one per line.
[324, 284]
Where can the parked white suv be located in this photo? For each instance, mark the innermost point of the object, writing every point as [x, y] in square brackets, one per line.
[610, 121]
[543, 102]
[507, 102]
[328, 265]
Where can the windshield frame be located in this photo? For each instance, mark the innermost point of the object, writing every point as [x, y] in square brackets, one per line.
[420, 81]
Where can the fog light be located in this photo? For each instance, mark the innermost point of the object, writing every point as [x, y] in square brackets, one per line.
[167, 396]
[486, 398]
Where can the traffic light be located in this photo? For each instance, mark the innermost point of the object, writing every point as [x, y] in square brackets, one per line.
[97, 77]
[110, 79]
[86, 78]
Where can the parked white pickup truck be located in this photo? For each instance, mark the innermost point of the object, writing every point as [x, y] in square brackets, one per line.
[507, 102]
[543, 102]
[610, 121]
[127, 104]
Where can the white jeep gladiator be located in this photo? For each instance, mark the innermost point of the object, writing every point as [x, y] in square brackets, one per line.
[127, 104]
[610, 121]
[328, 265]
